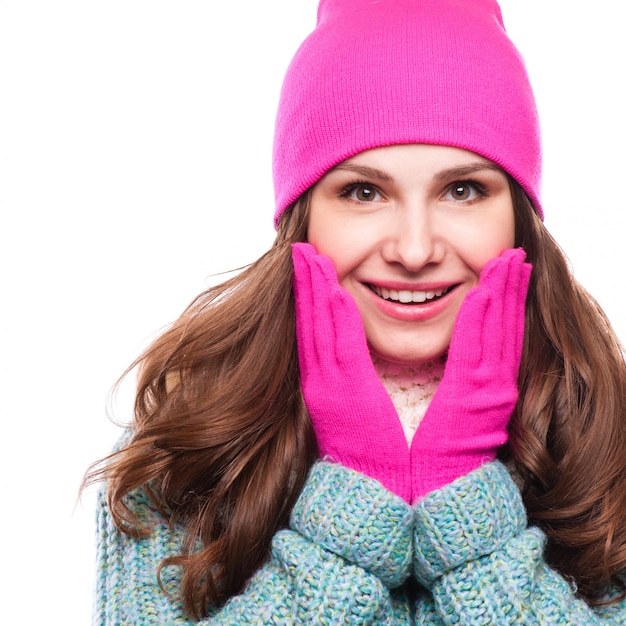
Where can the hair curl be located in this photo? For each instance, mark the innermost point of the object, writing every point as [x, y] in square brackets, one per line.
[222, 442]
[568, 434]
[221, 439]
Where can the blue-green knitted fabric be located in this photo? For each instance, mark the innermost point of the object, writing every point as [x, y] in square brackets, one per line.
[475, 554]
[357, 554]
[361, 548]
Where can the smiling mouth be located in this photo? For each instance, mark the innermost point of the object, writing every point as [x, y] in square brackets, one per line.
[406, 296]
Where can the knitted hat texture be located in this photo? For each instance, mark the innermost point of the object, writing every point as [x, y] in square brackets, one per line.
[383, 72]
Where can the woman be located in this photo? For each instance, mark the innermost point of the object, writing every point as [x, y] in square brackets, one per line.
[390, 417]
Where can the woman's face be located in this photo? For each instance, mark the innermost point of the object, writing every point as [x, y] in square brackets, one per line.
[409, 228]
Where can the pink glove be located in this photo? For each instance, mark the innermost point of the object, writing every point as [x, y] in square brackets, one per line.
[353, 417]
[467, 419]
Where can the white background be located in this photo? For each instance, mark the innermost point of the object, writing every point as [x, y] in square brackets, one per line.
[135, 142]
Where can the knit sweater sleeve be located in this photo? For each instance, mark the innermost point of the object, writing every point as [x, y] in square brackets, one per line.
[484, 565]
[348, 547]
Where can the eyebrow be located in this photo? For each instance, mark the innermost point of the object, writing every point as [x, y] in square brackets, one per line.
[365, 171]
[447, 174]
[465, 170]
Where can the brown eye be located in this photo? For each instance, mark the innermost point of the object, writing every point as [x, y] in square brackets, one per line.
[363, 193]
[464, 191]
[461, 192]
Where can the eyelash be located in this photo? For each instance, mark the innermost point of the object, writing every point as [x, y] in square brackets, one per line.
[478, 187]
[349, 188]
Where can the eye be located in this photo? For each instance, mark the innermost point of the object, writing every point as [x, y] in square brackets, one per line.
[464, 191]
[361, 192]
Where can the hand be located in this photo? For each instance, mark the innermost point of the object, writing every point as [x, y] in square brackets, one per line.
[353, 417]
[467, 419]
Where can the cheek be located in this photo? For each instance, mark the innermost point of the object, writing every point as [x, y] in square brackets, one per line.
[343, 243]
[333, 245]
[479, 245]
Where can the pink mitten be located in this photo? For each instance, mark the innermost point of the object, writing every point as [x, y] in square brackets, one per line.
[353, 417]
[467, 419]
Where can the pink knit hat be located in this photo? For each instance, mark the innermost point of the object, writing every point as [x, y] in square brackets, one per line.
[383, 72]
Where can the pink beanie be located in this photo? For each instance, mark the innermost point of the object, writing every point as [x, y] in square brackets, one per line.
[383, 72]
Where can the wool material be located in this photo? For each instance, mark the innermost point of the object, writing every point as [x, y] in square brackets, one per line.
[355, 553]
[393, 72]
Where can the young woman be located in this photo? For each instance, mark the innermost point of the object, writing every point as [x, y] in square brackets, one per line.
[407, 411]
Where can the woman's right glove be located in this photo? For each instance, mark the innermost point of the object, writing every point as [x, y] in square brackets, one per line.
[467, 419]
[353, 417]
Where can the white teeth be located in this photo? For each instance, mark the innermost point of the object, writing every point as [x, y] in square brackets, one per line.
[405, 296]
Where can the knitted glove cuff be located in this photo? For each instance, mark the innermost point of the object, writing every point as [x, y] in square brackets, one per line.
[355, 517]
[471, 517]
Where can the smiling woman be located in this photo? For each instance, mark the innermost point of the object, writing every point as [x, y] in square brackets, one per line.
[404, 245]
[407, 410]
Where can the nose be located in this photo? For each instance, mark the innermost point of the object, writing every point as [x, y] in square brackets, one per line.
[413, 240]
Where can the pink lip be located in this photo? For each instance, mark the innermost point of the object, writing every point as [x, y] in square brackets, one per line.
[413, 312]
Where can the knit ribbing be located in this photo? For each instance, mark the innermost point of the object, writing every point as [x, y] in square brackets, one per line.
[484, 566]
[404, 71]
[359, 525]
[471, 548]
[349, 516]
[466, 521]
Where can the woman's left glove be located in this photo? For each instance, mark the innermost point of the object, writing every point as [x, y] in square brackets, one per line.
[468, 416]
[353, 417]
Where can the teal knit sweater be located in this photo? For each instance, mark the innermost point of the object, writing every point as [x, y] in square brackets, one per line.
[348, 554]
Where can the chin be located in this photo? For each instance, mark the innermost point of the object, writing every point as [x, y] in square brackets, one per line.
[409, 357]
[409, 343]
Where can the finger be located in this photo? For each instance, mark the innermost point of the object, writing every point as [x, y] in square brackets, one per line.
[501, 285]
[324, 273]
[524, 283]
[466, 345]
[314, 330]
[491, 274]
[507, 283]
[350, 340]
[301, 253]
[302, 284]
[515, 288]
[314, 274]
[511, 276]
[471, 329]
[304, 248]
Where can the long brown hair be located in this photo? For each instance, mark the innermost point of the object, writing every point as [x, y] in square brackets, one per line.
[222, 442]
[221, 439]
[568, 435]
